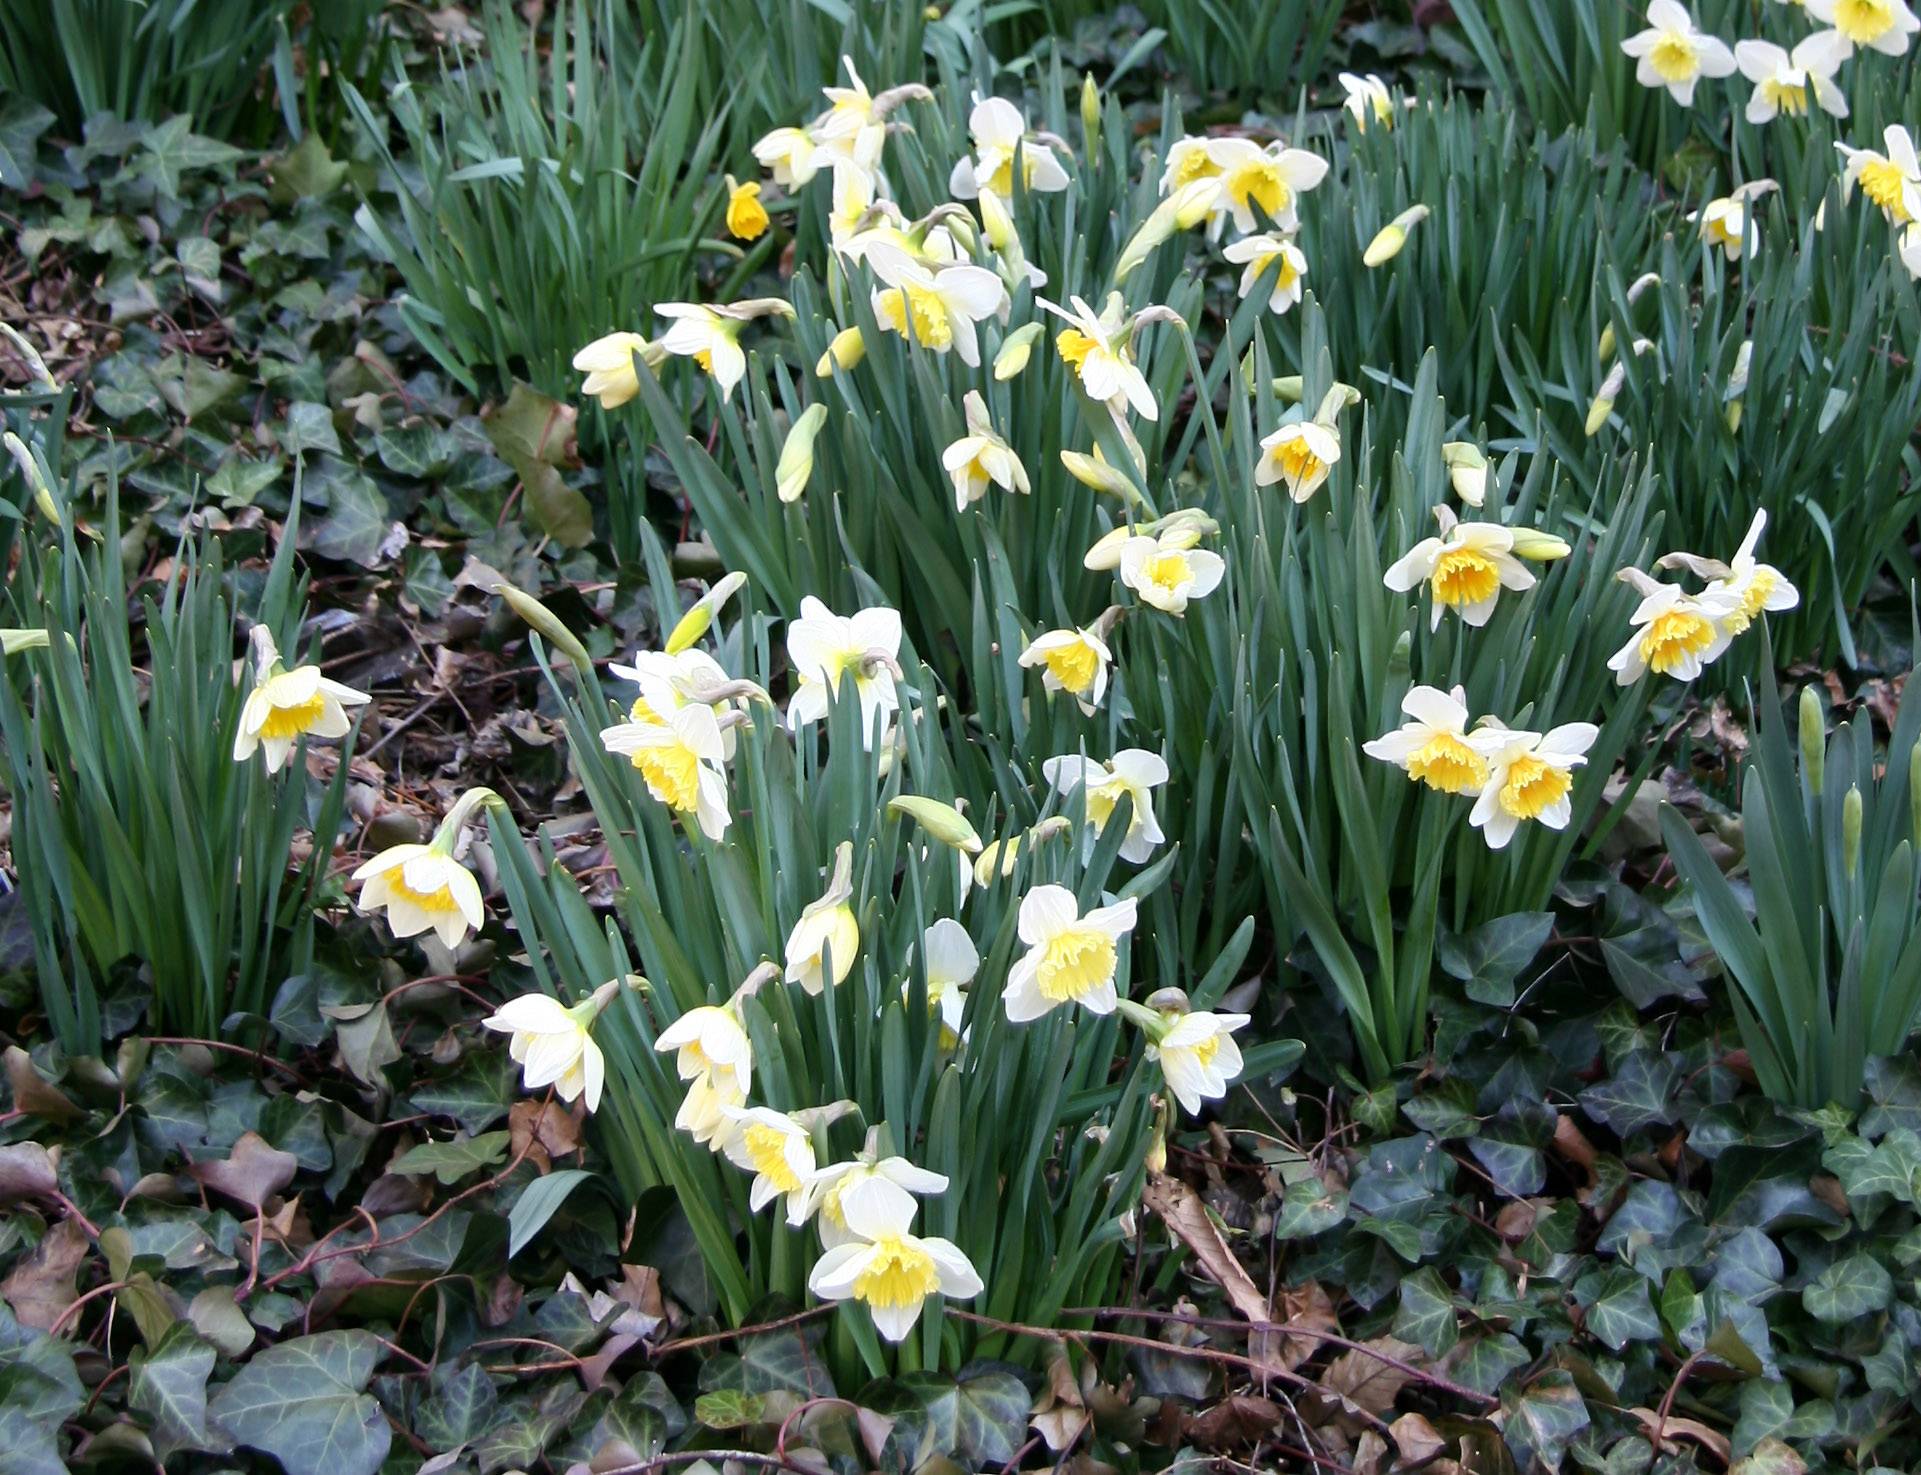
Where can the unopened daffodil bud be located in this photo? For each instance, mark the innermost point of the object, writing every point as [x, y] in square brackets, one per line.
[694, 624]
[1737, 385]
[797, 453]
[36, 366]
[1604, 350]
[1537, 546]
[1610, 391]
[1814, 739]
[1093, 471]
[943, 821]
[1914, 793]
[1015, 350]
[1105, 555]
[13, 641]
[1466, 470]
[1000, 858]
[844, 353]
[30, 469]
[545, 621]
[1851, 830]
[1389, 240]
[1090, 116]
[996, 223]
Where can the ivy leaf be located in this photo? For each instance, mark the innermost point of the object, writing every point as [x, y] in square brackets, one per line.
[1485, 1363]
[461, 1408]
[1892, 1167]
[452, 1161]
[1771, 1457]
[309, 428]
[1848, 1289]
[170, 148]
[305, 1403]
[1636, 1096]
[475, 1096]
[1512, 1147]
[990, 1415]
[1893, 1084]
[1619, 1310]
[1308, 1208]
[1426, 1313]
[1488, 959]
[169, 1384]
[1544, 1419]
[22, 121]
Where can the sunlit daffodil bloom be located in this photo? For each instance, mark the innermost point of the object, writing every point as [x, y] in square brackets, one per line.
[1255, 254]
[1729, 222]
[1074, 661]
[710, 336]
[1167, 571]
[778, 1151]
[1189, 161]
[935, 307]
[999, 132]
[1096, 346]
[1879, 25]
[710, 1041]
[1198, 1057]
[827, 933]
[1747, 587]
[422, 888]
[950, 961]
[682, 762]
[1466, 471]
[1070, 959]
[1530, 776]
[1435, 748]
[823, 647]
[1891, 181]
[1272, 178]
[670, 681]
[1674, 54]
[746, 216]
[981, 459]
[863, 1184]
[850, 224]
[1468, 566]
[1133, 773]
[285, 706]
[888, 1269]
[608, 364]
[1788, 84]
[1368, 100]
[1299, 455]
[551, 1044]
[1675, 633]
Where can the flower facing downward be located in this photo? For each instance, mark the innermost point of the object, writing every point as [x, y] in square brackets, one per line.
[1255, 254]
[790, 154]
[827, 932]
[608, 364]
[1673, 54]
[1168, 570]
[551, 1044]
[1530, 776]
[1788, 83]
[1073, 661]
[778, 1151]
[710, 335]
[1368, 100]
[1879, 25]
[981, 459]
[746, 216]
[1198, 1057]
[1133, 774]
[891, 1271]
[999, 132]
[824, 647]
[1466, 470]
[1097, 347]
[681, 761]
[1299, 454]
[285, 706]
[1675, 633]
[423, 888]
[1070, 959]
[1744, 585]
[1435, 747]
[1468, 566]
[710, 1041]
[949, 960]
[1729, 222]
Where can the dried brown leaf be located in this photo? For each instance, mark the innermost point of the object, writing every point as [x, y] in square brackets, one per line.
[251, 1174]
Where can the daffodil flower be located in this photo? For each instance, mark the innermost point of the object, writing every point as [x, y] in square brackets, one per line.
[856, 216]
[1466, 471]
[826, 932]
[423, 888]
[1908, 248]
[1892, 181]
[285, 706]
[1189, 161]
[1729, 222]
[1879, 25]
[1132, 773]
[551, 1044]
[865, 1182]
[608, 364]
[1195, 1048]
[1070, 959]
[999, 132]
[1435, 748]
[1465, 568]
[682, 762]
[710, 1041]
[746, 216]
[1673, 53]
[1255, 254]
[1273, 178]
[1075, 661]
[888, 1269]
[1675, 633]
[791, 155]
[1530, 776]
[1168, 570]
[823, 647]
[710, 335]
[981, 459]
[935, 307]
[1299, 454]
[1789, 83]
[1096, 346]
[949, 962]
[778, 1151]
[1368, 100]
[669, 681]
[704, 1111]
[999, 860]
[1745, 585]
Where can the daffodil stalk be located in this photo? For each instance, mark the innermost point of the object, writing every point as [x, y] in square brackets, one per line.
[546, 622]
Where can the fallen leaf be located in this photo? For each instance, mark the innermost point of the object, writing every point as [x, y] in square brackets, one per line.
[543, 1130]
[1235, 1422]
[251, 1174]
[1416, 1439]
[1712, 1440]
[33, 1093]
[1362, 1382]
[26, 1171]
[41, 1286]
[1187, 1219]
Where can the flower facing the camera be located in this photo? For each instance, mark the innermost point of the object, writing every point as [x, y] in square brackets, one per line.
[710, 334]
[1530, 776]
[1744, 585]
[1255, 254]
[1270, 179]
[827, 933]
[1195, 1048]
[1468, 566]
[1788, 83]
[1434, 748]
[1729, 222]
[1675, 633]
[864, 647]
[422, 888]
[551, 1043]
[1878, 25]
[778, 1151]
[1673, 53]
[285, 706]
[935, 306]
[864, 1184]
[999, 133]
[1299, 454]
[1070, 958]
[1075, 661]
[889, 1269]
[1167, 570]
[1134, 773]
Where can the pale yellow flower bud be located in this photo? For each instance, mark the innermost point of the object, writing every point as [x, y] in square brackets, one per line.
[543, 620]
[1090, 115]
[844, 353]
[694, 624]
[1814, 739]
[797, 454]
[1093, 471]
[1388, 242]
[1014, 351]
[943, 821]
[13, 641]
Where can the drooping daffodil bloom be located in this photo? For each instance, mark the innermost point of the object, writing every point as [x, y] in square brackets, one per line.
[1892, 181]
[1529, 777]
[703, 1112]
[1675, 633]
[1167, 570]
[1133, 773]
[285, 706]
[1075, 661]
[1299, 454]
[889, 1269]
[790, 155]
[999, 132]
[1878, 25]
[863, 1182]
[551, 1044]
[1368, 100]
[1745, 585]
[949, 961]
[669, 681]
[682, 761]
[1099, 349]
[1466, 470]
[1070, 958]
[1272, 178]
[710, 1041]
[1469, 564]
[423, 888]
[1674, 53]
[1789, 83]
[778, 1151]
[1195, 1048]
[608, 363]
[1729, 221]
[710, 335]
[980, 458]
[746, 216]
[864, 647]
[1255, 254]
[827, 933]
[1435, 747]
